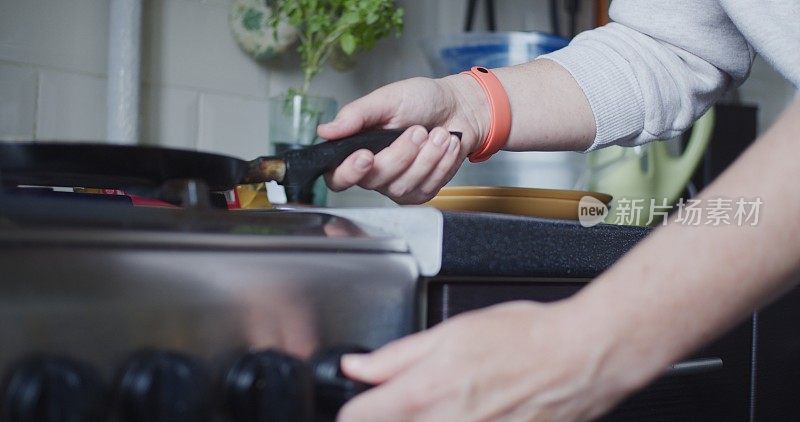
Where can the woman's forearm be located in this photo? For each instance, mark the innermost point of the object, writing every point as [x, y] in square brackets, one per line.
[685, 284]
[549, 110]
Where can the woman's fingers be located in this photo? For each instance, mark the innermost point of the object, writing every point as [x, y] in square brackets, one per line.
[383, 366]
[425, 188]
[396, 158]
[381, 400]
[373, 109]
[444, 170]
[351, 171]
[410, 170]
[392, 401]
[388, 361]
[397, 368]
[424, 164]
[364, 169]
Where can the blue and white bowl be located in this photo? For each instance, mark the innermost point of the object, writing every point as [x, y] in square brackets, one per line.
[448, 54]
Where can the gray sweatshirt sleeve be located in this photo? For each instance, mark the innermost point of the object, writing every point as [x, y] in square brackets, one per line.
[654, 70]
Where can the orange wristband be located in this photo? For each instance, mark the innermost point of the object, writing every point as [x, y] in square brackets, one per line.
[500, 124]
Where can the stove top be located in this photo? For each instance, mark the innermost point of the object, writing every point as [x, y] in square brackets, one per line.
[69, 211]
[115, 312]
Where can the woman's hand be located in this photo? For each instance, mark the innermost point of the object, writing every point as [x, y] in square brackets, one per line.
[419, 162]
[516, 361]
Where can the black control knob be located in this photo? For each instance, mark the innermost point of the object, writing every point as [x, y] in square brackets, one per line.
[269, 386]
[157, 386]
[332, 388]
[52, 389]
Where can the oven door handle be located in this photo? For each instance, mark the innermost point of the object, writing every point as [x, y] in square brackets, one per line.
[695, 366]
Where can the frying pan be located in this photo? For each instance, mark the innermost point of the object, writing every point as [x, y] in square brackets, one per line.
[126, 167]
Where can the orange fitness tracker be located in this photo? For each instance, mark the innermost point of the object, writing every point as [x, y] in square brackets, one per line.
[500, 125]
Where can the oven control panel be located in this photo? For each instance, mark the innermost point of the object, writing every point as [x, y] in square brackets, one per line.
[160, 385]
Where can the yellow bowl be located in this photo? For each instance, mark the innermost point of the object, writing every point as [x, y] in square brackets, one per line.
[533, 202]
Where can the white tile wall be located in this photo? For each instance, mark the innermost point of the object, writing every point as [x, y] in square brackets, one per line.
[71, 106]
[18, 86]
[65, 34]
[169, 116]
[233, 125]
[188, 44]
[216, 2]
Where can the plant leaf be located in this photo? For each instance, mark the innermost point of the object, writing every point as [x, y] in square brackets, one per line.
[348, 43]
[349, 18]
[327, 25]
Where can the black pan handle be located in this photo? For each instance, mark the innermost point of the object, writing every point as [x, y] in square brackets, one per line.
[303, 166]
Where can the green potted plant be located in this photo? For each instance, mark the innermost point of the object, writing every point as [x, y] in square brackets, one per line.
[329, 32]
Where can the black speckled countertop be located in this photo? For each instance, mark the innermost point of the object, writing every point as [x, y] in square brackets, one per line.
[484, 244]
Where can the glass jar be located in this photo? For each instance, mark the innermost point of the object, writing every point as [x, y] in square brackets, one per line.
[293, 121]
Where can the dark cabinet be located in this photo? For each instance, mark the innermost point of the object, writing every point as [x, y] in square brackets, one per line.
[778, 360]
[719, 393]
[716, 395]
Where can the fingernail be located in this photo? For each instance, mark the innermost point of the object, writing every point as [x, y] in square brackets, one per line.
[418, 136]
[439, 138]
[453, 144]
[363, 162]
[353, 361]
